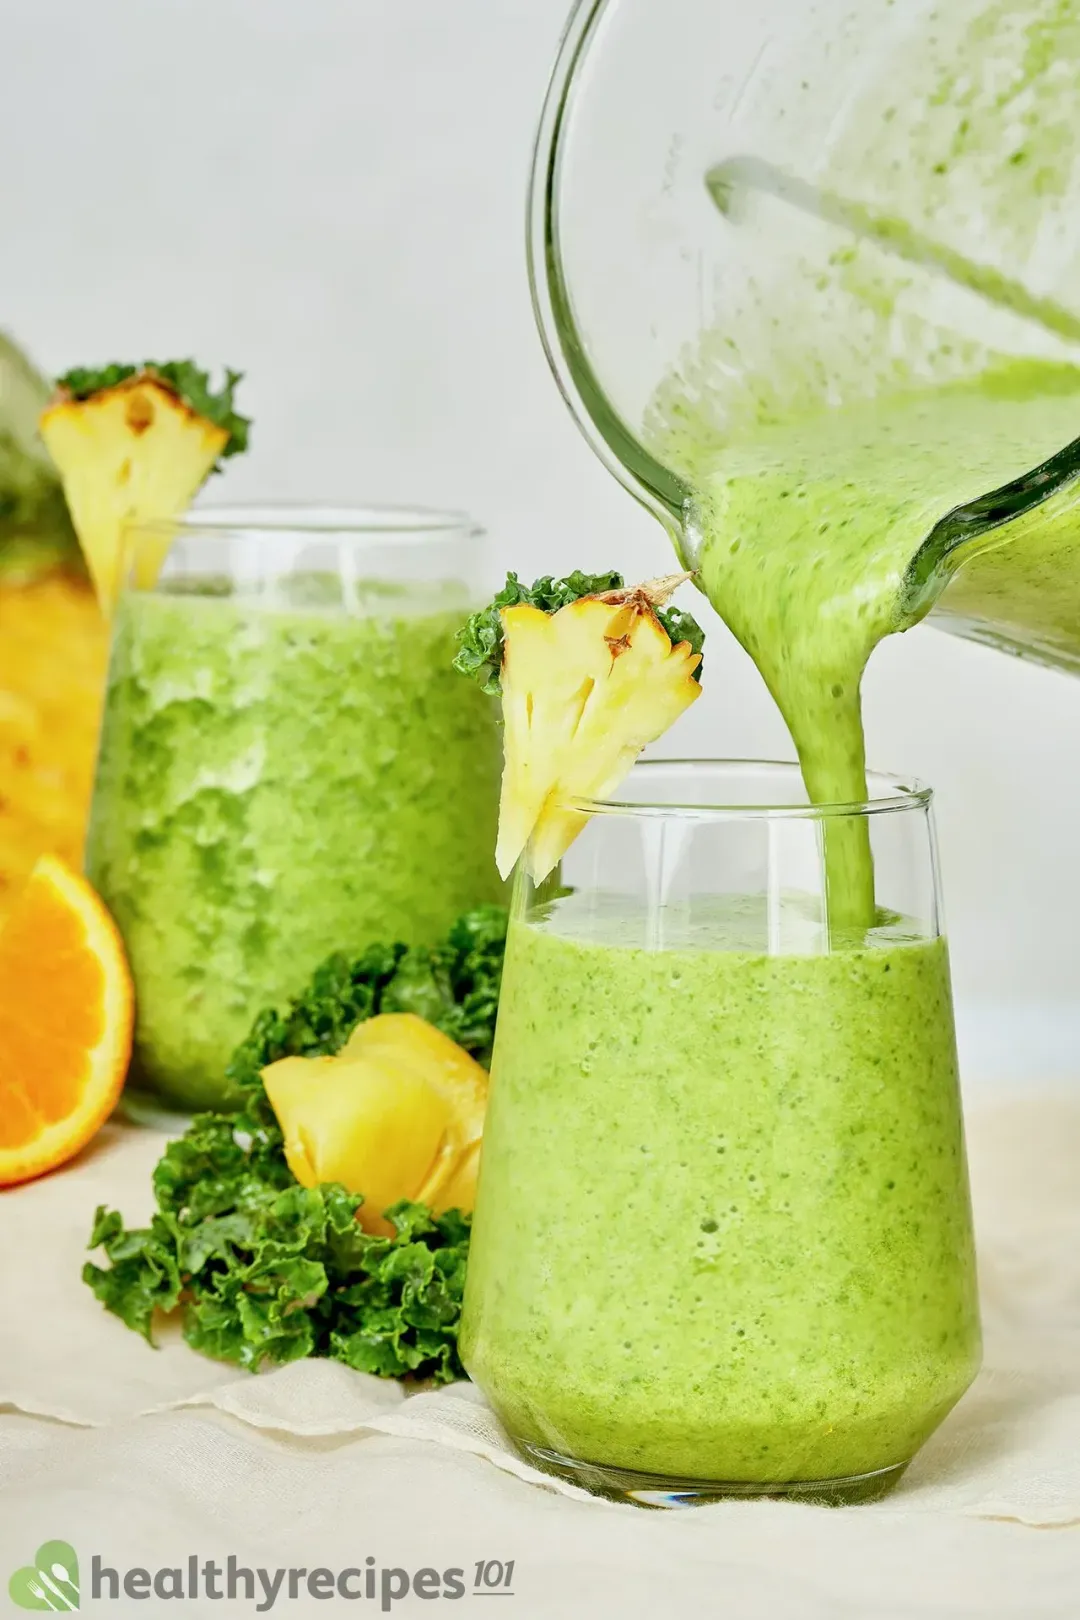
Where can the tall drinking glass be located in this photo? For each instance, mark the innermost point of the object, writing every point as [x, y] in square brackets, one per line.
[289, 765]
[722, 1242]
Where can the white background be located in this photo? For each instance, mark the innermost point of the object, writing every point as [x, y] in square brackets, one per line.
[329, 194]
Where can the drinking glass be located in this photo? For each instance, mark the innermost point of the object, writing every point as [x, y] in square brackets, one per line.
[722, 1243]
[289, 765]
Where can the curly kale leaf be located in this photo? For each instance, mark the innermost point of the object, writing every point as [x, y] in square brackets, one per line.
[475, 948]
[187, 380]
[454, 985]
[143, 1275]
[682, 626]
[82, 381]
[290, 1274]
[265, 1271]
[342, 993]
[480, 653]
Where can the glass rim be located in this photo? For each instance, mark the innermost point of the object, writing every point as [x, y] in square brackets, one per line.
[374, 524]
[897, 795]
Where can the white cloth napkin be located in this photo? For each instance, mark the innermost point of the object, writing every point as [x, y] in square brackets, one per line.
[147, 1452]
[1011, 1450]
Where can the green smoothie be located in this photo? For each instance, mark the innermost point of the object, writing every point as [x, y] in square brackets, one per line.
[276, 783]
[723, 1228]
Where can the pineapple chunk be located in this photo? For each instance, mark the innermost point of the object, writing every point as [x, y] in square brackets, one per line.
[584, 690]
[403, 1039]
[131, 453]
[372, 1128]
[398, 1113]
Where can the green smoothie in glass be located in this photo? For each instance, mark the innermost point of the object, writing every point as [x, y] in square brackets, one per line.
[723, 1235]
[289, 767]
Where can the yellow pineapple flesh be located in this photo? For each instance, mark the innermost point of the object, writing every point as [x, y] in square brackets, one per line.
[53, 644]
[53, 653]
[129, 454]
[584, 690]
[398, 1113]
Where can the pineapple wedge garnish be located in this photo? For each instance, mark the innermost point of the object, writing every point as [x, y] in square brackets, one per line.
[584, 690]
[135, 446]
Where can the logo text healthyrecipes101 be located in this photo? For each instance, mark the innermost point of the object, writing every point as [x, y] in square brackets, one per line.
[52, 1582]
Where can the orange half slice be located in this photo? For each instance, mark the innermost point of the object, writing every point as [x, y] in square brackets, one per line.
[66, 1008]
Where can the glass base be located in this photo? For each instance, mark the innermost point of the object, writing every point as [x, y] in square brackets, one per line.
[659, 1491]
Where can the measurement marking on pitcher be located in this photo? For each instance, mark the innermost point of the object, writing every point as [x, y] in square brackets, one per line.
[492, 1578]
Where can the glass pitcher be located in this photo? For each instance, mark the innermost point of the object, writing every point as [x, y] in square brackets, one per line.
[745, 214]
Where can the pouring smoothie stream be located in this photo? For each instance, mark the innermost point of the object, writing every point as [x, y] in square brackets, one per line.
[817, 537]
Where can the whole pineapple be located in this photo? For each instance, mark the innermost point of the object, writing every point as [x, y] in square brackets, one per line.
[53, 644]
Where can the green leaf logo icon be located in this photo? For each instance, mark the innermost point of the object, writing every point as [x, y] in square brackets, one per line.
[51, 1582]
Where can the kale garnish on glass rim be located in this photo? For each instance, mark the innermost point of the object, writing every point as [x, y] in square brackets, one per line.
[480, 652]
[186, 380]
[266, 1271]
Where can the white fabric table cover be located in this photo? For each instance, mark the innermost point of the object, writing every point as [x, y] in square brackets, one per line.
[150, 1457]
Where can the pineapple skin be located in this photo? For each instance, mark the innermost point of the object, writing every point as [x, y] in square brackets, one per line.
[53, 658]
